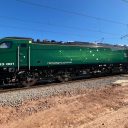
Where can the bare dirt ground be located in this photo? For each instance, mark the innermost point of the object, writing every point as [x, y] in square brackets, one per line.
[92, 108]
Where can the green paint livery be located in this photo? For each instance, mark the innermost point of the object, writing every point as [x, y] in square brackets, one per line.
[23, 52]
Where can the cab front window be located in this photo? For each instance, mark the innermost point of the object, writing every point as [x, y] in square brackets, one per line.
[6, 44]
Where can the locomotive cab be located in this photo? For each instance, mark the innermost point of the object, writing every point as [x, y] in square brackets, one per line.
[6, 53]
[14, 52]
[14, 57]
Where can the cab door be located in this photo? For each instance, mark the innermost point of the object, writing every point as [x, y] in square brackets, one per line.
[23, 55]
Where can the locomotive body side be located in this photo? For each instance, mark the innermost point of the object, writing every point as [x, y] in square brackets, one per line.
[55, 55]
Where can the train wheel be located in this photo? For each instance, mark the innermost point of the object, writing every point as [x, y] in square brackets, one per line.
[29, 82]
[62, 79]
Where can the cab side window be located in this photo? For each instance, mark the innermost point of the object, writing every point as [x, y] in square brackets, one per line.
[23, 45]
[6, 44]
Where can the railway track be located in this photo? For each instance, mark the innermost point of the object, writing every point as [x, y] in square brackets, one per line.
[16, 96]
[46, 84]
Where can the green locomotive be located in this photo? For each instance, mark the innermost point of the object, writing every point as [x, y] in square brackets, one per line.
[25, 61]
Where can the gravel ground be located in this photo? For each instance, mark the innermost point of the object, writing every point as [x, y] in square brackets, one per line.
[16, 98]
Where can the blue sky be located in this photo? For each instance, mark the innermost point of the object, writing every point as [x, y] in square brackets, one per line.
[66, 20]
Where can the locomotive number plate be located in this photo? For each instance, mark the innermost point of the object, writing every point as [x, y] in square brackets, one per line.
[7, 64]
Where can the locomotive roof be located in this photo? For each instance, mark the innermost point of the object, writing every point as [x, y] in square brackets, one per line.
[77, 43]
[19, 38]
